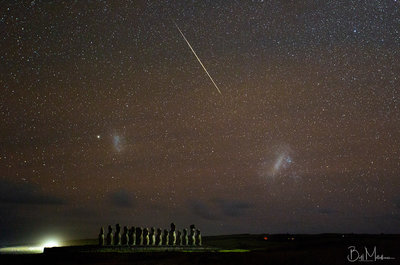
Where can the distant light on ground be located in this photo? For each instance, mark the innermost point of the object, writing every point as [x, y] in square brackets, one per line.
[51, 243]
[33, 249]
[22, 250]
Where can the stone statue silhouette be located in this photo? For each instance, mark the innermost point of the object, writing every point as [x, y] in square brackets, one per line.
[110, 236]
[198, 237]
[159, 237]
[146, 236]
[152, 237]
[179, 238]
[117, 236]
[172, 235]
[166, 237]
[132, 236]
[192, 238]
[125, 237]
[139, 236]
[185, 239]
[101, 237]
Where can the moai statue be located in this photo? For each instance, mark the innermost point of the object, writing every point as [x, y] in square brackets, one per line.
[152, 237]
[192, 238]
[198, 237]
[101, 237]
[159, 237]
[139, 236]
[110, 236]
[179, 238]
[125, 237]
[166, 237]
[146, 236]
[132, 236]
[117, 236]
[172, 235]
[185, 239]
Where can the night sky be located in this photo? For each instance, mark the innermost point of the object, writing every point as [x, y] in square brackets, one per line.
[107, 117]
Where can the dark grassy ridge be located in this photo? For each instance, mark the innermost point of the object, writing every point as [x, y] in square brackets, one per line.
[125, 249]
[289, 241]
[277, 249]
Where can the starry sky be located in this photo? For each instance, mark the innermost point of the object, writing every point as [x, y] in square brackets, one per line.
[107, 116]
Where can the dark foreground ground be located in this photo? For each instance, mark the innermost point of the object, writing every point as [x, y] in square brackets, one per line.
[242, 249]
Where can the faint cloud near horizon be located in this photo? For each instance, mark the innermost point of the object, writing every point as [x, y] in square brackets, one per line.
[122, 198]
[218, 208]
[26, 193]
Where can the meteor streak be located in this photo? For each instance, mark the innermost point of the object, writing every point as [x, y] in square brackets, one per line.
[198, 59]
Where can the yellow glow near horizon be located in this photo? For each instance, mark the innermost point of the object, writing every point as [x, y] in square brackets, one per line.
[31, 249]
[51, 243]
[22, 250]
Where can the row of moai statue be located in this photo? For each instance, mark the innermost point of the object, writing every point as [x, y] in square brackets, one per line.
[145, 237]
